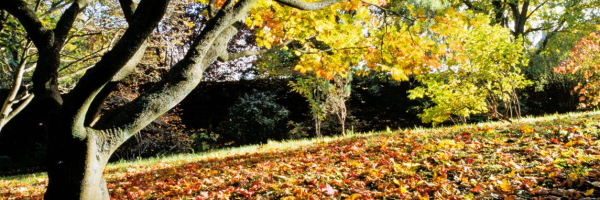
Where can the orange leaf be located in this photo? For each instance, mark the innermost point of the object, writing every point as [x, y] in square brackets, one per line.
[477, 189]
[357, 196]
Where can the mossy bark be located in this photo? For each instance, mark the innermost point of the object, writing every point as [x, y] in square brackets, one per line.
[76, 166]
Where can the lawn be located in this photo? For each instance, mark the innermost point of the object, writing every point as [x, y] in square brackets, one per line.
[553, 157]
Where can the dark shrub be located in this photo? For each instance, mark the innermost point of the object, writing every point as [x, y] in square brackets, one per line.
[255, 118]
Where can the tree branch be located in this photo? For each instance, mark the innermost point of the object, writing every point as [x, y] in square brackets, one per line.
[550, 35]
[210, 8]
[182, 78]
[302, 5]
[233, 56]
[40, 36]
[470, 6]
[125, 52]
[57, 5]
[515, 10]
[7, 112]
[95, 106]
[65, 23]
[536, 8]
[524, 11]
[128, 9]
[529, 30]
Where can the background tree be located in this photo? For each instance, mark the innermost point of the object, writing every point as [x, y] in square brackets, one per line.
[482, 73]
[313, 88]
[337, 94]
[547, 27]
[325, 97]
[583, 64]
[529, 18]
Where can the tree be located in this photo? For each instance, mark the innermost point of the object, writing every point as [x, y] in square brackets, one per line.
[547, 27]
[337, 95]
[325, 97]
[482, 72]
[82, 47]
[526, 17]
[583, 65]
[313, 89]
[80, 140]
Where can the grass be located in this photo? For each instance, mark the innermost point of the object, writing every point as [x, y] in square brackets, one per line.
[180, 159]
[533, 157]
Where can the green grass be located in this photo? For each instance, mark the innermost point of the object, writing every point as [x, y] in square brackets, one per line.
[179, 159]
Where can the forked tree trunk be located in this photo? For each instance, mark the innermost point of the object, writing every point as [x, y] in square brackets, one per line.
[76, 167]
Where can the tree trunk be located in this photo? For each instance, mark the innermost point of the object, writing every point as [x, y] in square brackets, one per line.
[318, 126]
[76, 166]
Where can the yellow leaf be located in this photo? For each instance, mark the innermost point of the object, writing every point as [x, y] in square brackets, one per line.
[573, 176]
[403, 189]
[356, 163]
[469, 196]
[398, 74]
[397, 182]
[189, 24]
[354, 196]
[589, 192]
[505, 185]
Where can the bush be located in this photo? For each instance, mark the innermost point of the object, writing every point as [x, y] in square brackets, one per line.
[255, 118]
[204, 141]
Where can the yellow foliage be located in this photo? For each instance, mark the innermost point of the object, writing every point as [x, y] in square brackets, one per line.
[451, 144]
[354, 197]
[589, 192]
[505, 185]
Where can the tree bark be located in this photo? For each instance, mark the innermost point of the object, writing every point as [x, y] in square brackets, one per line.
[76, 166]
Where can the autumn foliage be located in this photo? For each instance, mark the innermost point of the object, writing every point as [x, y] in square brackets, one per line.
[583, 62]
[553, 157]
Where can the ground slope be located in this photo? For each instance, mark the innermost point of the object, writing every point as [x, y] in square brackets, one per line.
[546, 158]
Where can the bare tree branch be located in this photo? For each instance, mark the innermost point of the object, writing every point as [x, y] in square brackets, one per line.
[65, 23]
[302, 5]
[7, 112]
[58, 5]
[125, 52]
[233, 56]
[536, 8]
[183, 77]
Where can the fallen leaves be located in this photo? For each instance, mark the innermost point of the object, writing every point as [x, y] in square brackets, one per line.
[555, 157]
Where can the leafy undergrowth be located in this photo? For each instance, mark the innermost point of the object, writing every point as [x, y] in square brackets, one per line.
[555, 157]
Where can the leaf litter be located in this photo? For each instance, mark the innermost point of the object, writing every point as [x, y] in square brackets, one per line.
[547, 158]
